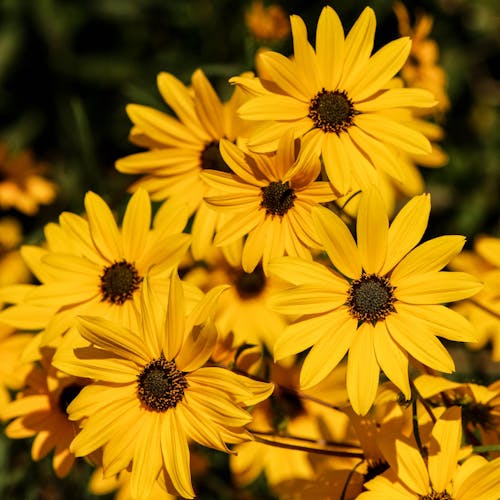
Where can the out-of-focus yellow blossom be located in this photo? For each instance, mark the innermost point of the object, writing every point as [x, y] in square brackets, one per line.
[13, 370]
[483, 309]
[267, 24]
[422, 68]
[12, 267]
[22, 185]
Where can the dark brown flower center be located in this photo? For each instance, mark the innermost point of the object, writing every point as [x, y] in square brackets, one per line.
[476, 414]
[67, 395]
[211, 159]
[331, 111]
[250, 285]
[436, 495]
[119, 282]
[277, 198]
[371, 298]
[161, 385]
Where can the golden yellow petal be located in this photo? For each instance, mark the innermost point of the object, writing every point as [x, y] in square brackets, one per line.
[329, 48]
[328, 351]
[237, 226]
[372, 227]
[175, 319]
[419, 343]
[436, 287]
[358, 47]
[283, 72]
[363, 371]
[392, 359]
[171, 161]
[430, 256]
[103, 229]
[136, 225]
[338, 242]
[207, 105]
[391, 132]
[255, 245]
[148, 461]
[407, 229]
[337, 162]
[274, 107]
[397, 98]
[179, 98]
[483, 483]
[381, 67]
[444, 447]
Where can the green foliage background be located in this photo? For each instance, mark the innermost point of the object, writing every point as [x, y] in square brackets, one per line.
[68, 68]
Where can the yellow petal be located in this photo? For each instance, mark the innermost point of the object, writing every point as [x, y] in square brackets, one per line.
[175, 319]
[372, 227]
[397, 98]
[337, 163]
[381, 67]
[362, 370]
[329, 48]
[337, 241]
[406, 230]
[273, 107]
[444, 445]
[392, 359]
[136, 225]
[207, 105]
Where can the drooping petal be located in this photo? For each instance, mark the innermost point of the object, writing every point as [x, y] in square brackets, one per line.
[328, 351]
[136, 224]
[391, 358]
[175, 319]
[362, 370]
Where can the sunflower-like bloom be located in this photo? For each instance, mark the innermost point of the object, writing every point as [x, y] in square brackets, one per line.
[269, 198]
[381, 303]
[94, 267]
[12, 267]
[267, 24]
[338, 95]
[13, 369]
[22, 185]
[242, 309]
[40, 410]
[439, 476]
[152, 392]
[182, 147]
[483, 310]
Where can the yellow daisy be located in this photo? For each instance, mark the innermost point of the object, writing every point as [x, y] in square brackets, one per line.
[381, 303]
[182, 147]
[337, 95]
[152, 392]
[22, 185]
[242, 309]
[40, 410]
[483, 310]
[12, 268]
[269, 198]
[267, 24]
[94, 267]
[13, 369]
[440, 477]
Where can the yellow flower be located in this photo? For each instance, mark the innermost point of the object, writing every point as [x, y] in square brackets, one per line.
[381, 303]
[440, 476]
[269, 198]
[152, 392]
[422, 68]
[40, 410]
[13, 369]
[242, 309]
[267, 24]
[483, 310]
[22, 185]
[12, 267]
[182, 148]
[93, 267]
[337, 96]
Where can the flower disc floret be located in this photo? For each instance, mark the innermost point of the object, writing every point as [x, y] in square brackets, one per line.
[67, 395]
[119, 282]
[331, 111]
[371, 298]
[277, 198]
[249, 285]
[161, 385]
[436, 495]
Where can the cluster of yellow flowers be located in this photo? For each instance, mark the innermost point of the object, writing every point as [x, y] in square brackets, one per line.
[294, 324]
